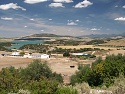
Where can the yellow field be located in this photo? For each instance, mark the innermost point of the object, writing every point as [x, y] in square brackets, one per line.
[5, 40]
[115, 43]
[86, 46]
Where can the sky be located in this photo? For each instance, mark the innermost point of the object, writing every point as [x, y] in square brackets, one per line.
[62, 17]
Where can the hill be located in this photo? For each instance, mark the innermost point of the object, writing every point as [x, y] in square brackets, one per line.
[100, 35]
[47, 35]
[44, 36]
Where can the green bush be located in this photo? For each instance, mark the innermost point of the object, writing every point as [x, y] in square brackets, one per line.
[37, 78]
[66, 54]
[36, 70]
[102, 71]
[83, 88]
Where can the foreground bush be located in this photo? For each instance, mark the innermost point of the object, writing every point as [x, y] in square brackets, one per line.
[66, 90]
[83, 88]
[119, 85]
[10, 80]
[36, 70]
[37, 78]
[102, 72]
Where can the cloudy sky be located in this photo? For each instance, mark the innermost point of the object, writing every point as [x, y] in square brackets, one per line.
[62, 17]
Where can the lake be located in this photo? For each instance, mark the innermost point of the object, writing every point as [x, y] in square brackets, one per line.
[17, 43]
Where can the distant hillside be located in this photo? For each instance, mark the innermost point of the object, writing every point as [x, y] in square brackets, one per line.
[46, 35]
[115, 43]
[43, 36]
[103, 35]
[100, 35]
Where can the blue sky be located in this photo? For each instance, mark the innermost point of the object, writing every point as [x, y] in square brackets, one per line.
[62, 17]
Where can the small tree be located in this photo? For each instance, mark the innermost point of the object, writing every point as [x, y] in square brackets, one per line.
[36, 70]
[39, 69]
[66, 54]
[22, 53]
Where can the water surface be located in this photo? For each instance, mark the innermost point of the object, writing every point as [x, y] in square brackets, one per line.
[18, 43]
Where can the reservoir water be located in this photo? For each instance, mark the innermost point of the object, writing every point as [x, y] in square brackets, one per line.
[17, 43]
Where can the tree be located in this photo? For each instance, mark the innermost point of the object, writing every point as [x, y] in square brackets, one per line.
[43, 86]
[81, 75]
[10, 80]
[22, 53]
[66, 54]
[36, 70]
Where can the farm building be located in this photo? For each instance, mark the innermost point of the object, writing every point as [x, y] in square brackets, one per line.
[15, 54]
[40, 56]
[27, 56]
[79, 54]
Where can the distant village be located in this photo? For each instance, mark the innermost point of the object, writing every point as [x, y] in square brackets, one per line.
[27, 55]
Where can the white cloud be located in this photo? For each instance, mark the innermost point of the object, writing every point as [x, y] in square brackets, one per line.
[123, 6]
[63, 1]
[69, 20]
[56, 5]
[11, 6]
[94, 29]
[77, 20]
[83, 4]
[32, 19]
[71, 23]
[5, 18]
[41, 30]
[120, 19]
[50, 19]
[25, 26]
[34, 1]
[116, 6]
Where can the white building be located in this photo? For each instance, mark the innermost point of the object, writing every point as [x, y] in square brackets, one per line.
[15, 54]
[27, 56]
[40, 56]
[79, 54]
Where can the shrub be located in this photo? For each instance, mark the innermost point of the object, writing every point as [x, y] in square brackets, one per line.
[83, 88]
[66, 54]
[66, 90]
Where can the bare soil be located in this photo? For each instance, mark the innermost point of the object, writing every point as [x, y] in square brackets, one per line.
[14, 61]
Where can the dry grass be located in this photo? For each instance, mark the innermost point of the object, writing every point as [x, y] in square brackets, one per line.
[115, 43]
[115, 52]
[5, 40]
[16, 62]
[85, 46]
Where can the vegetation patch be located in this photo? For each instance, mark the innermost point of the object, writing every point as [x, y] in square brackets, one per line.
[102, 72]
